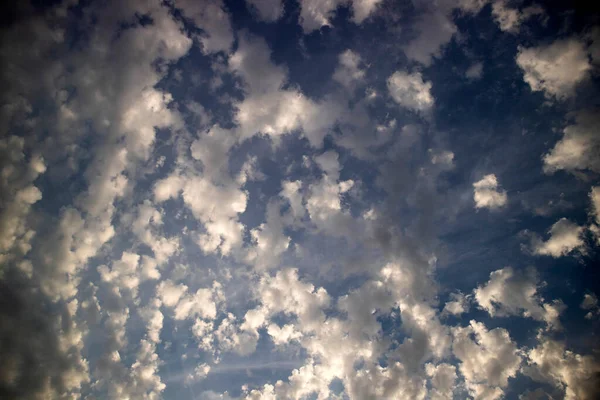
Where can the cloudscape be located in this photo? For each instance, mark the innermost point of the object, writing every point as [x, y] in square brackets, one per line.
[299, 199]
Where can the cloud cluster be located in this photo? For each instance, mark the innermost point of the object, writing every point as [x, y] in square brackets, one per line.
[487, 194]
[234, 203]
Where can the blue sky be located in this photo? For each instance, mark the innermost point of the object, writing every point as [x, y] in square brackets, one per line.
[281, 199]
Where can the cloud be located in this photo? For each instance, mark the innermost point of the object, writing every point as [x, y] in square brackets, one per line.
[41, 351]
[510, 19]
[556, 68]
[578, 148]
[268, 239]
[590, 302]
[458, 305]
[488, 358]
[213, 19]
[551, 362]
[270, 110]
[315, 14]
[410, 91]
[509, 292]
[263, 220]
[565, 237]
[595, 212]
[434, 28]
[18, 194]
[443, 380]
[267, 10]
[487, 194]
[348, 73]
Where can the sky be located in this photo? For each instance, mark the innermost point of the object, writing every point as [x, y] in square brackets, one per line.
[299, 199]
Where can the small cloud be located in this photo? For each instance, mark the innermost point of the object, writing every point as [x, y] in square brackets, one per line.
[475, 71]
[410, 91]
[556, 69]
[590, 303]
[487, 194]
[565, 237]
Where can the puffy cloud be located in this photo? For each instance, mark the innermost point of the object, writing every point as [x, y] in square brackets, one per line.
[556, 68]
[267, 10]
[510, 19]
[348, 73]
[17, 195]
[579, 147]
[231, 338]
[315, 14]
[362, 9]
[291, 192]
[443, 158]
[123, 274]
[41, 351]
[577, 374]
[267, 108]
[510, 292]
[443, 380]
[434, 29]
[565, 237]
[90, 266]
[213, 19]
[458, 305]
[590, 302]
[217, 206]
[145, 227]
[487, 194]
[269, 241]
[188, 305]
[475, 71]
[488, 358]
[323, 201]
[410, 91]
[595, 200]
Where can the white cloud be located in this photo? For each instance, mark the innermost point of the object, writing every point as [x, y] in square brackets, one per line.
[291, 192]
[487, 193]
[510, 19]
[590, 302]
[556, 68]
[268, 240]
[488, 358]
[595, 212]
[170, 293]
[213, 19]
[579, 147]
[188, 305]
[595, 200]
[362, 9]
[410, 91]
[577, 374]
[267, 109]
[267, 10]
[348, 72]
[443, 380]
[17, 195]
[565, 237]
[434, 28]
[443, 158]
[323, 201]
[458, 305]
[126, 179]
[217, 206]
[315, 14]
[510, 292]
